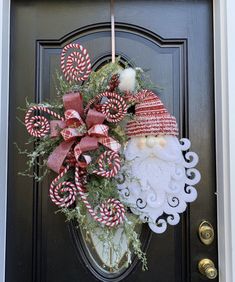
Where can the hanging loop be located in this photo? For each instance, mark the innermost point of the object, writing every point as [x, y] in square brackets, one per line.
[112, 30]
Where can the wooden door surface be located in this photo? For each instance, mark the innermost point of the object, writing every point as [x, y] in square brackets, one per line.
[173, 39]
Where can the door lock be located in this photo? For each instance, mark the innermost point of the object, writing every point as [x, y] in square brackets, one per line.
[206, 232]
[207, 268]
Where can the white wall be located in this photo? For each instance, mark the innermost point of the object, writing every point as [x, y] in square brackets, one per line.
[231, 114]
[224, 34]
[4, 71]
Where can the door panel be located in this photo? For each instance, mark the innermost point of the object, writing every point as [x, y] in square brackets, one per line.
[173, 39]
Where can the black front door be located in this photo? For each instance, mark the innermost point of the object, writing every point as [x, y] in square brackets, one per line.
[173, 39]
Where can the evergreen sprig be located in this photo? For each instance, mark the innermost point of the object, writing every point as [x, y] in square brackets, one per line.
[99, 189]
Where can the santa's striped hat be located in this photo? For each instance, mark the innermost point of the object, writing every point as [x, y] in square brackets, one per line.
[151, 117]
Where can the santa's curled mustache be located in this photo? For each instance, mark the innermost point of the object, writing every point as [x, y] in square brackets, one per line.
[160, 172]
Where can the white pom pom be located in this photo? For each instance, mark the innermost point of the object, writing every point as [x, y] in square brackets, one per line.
[127, 80]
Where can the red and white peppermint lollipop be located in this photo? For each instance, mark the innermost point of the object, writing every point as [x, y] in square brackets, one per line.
[39, 126]
[111, 160]
[75, 62]
[114, 108]
[112, 211]
[64, 193]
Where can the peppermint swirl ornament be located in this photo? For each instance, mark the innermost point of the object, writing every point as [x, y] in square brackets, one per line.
[63, 194]
[75, 62]
[39, 126]
[114, 108]
[109, 164]
[111, 212]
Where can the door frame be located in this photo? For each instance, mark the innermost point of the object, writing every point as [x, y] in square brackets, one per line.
[224, 66]
[224, 82]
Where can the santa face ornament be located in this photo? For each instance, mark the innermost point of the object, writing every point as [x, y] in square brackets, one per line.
[161, 172]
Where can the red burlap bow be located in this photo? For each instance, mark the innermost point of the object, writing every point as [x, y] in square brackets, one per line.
[86, 134]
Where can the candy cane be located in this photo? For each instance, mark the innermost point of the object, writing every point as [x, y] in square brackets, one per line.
[114, 109]
[75, 62]
[39, 126]
[114, 163]
[64, 193]
[112, 211]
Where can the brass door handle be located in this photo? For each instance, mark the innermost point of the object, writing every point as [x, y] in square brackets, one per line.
[207, 268]
[206, 232]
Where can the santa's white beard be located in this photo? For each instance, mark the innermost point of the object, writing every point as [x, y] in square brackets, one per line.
[158, 179]
[165, 148]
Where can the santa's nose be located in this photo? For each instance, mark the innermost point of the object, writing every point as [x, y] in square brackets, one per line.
[151, 141]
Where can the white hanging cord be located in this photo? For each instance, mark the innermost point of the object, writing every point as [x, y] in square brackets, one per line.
[112, 30]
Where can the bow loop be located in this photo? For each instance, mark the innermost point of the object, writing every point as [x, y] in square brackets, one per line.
[72, 133]
[94, 117]
[87, 143]
[73, 118]
[98, 130]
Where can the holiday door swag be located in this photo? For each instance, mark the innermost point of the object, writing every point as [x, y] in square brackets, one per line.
[114, 148]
